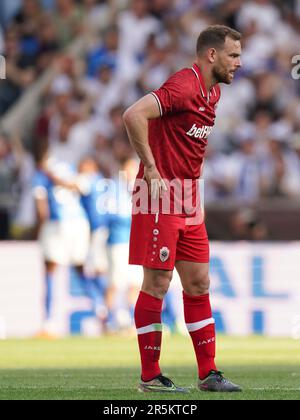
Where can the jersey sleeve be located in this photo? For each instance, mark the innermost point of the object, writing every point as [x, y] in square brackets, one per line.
[173, 95]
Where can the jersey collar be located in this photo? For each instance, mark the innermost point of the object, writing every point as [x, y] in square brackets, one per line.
[203, 89]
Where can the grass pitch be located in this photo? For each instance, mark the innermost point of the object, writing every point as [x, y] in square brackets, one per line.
[108, 369]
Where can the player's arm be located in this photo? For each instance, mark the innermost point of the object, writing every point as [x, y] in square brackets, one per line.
[69, 185]
[78, 184]
[136, 120]
[41, 205]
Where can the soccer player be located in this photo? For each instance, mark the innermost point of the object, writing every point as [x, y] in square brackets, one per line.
[168, 129]
[107, 204]
[123, 279]
[63, 226]
[91, 183]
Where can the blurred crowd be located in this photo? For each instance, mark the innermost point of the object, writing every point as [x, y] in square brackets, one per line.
[133, 46]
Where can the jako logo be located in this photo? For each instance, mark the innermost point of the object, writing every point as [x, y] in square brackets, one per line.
[2, 67]
[296, 69]
[205, 342]
[152, 348]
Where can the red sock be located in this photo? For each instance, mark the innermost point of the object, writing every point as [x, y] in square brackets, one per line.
[201, 326]
[147, 317]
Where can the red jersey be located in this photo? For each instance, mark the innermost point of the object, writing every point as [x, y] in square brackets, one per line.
[178, 139]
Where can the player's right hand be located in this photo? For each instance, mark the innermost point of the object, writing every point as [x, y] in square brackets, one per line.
[155, 182]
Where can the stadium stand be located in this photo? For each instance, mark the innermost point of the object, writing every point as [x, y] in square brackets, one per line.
[74, 98]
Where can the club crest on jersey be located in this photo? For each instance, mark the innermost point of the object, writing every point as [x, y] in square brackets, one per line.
[200, 132]
[164, 254]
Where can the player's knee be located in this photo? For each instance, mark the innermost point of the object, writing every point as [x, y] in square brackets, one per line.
[158, 286]
[199, 285]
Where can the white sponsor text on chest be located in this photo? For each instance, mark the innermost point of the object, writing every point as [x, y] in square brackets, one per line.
[199, 132]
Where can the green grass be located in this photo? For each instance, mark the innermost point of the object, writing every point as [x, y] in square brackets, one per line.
[108, 368]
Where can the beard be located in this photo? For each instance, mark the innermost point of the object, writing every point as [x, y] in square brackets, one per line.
[221, 76]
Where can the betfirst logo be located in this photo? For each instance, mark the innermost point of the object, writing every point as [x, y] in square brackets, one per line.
[200, 133]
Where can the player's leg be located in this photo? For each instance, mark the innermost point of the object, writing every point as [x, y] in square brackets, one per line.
[192, 263]
[198, 314]
[98, 283]
[153, 245]
[94, 289]
[77, 240]
[169, 314]
[84, 281]
[149, 329]
[135, 278]
[201, 325]
[52, 246]
[116, 275]
[120, 273]
[96, 269]
[50, 268]
[148, 320]
[47, 331]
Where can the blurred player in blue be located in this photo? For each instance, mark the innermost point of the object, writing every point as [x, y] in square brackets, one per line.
[93, 187]
[124, 280]
[108, 205]
[63, 228]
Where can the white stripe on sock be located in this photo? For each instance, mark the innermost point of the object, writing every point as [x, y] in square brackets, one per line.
[199, 325]
[149, 329]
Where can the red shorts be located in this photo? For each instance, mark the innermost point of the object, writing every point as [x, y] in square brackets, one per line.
[159, 241]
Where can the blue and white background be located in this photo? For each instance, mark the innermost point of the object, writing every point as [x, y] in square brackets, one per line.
[255, 290]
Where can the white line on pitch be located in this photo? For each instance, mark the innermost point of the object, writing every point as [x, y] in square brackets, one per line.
[274, 389]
